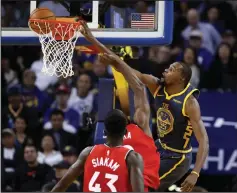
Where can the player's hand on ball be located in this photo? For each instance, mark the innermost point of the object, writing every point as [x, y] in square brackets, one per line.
[189, 183]
[85, 31]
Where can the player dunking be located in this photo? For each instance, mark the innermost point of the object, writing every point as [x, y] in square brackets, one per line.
[178, 117]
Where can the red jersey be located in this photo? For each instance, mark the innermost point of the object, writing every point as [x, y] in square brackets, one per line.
[106, 170]
[145, 146]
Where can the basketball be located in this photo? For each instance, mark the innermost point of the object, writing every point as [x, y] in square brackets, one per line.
[41, 27]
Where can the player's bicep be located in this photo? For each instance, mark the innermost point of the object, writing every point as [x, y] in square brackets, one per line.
[151, 82]
[194, 113]
[135, 164]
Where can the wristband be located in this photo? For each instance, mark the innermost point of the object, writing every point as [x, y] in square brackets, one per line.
[193, 172]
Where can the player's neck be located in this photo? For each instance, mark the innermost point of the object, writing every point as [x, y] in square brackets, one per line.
[174, 88]
[114, 143]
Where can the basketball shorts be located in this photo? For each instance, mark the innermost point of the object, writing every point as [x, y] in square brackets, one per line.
[173, 166]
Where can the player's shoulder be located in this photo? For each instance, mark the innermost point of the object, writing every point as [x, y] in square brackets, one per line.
[191, 105]
[85, 152]
[134, 158]
[192, 100]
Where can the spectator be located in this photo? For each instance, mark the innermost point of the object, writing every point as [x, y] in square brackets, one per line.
[223, 72]
[11, 156]
[17, 108]
[49, 155]
[10, 75]
[71, 116]
[60, 170]
[230, 38]
[204, 57]
[211, 38]
[20, 131]
[33, 96]
[48, 187]
[32, 175]
[63, 133]
[43, 81]
[213, 19]
[70, 154]
[82, 99]
[99, 71]
[56, 6]
[190, 59]
[162, 57]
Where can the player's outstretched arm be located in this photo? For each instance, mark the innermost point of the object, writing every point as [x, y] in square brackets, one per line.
[150, 81]
[192, 109]
[135, 166]
[141, 104]
[73, 172]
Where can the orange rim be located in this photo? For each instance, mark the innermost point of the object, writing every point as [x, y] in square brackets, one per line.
[58, 35]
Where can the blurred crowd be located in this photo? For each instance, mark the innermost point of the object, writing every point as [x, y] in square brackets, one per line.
[47, 121]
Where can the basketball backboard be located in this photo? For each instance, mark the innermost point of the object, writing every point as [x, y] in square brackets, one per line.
[123, 23]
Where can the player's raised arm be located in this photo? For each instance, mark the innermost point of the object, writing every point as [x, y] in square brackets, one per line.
[192, 110]
[150, 81]
[141, 104]
[73, 172]
[135, 165]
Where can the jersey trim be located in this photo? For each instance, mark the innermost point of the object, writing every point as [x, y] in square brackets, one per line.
[164, 146]
[126, 155]
[173, 168]
[185, 100]
[92, 149]
[177, 94]
[156, 91]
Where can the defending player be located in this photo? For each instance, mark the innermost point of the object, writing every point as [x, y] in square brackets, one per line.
[108, 167]
[178, 117]
[139, 135]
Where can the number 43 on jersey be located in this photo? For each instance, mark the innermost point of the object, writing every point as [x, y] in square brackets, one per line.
[94, 187]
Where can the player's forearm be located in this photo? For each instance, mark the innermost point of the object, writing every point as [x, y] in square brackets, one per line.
[102, 48]
[59, 187]
[202, 154]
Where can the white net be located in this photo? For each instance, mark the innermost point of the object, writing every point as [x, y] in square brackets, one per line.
[57, 43]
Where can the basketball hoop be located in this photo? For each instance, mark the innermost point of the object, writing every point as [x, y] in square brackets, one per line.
[58, 40]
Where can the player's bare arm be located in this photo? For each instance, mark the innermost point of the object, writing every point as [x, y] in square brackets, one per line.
[141, 104]
[135, 166]
[73, 172]
[150, 81]
[192, 109]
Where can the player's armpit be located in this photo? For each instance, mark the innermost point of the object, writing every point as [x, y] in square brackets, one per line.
[192, 109]
[151, 82]
[135, 165]
[73, 172]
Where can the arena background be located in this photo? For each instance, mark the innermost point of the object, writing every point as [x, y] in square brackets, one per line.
[20, 76]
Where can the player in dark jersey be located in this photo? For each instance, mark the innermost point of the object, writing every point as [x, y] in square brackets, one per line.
[178, 117]
[109, 167]
[139, 135]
